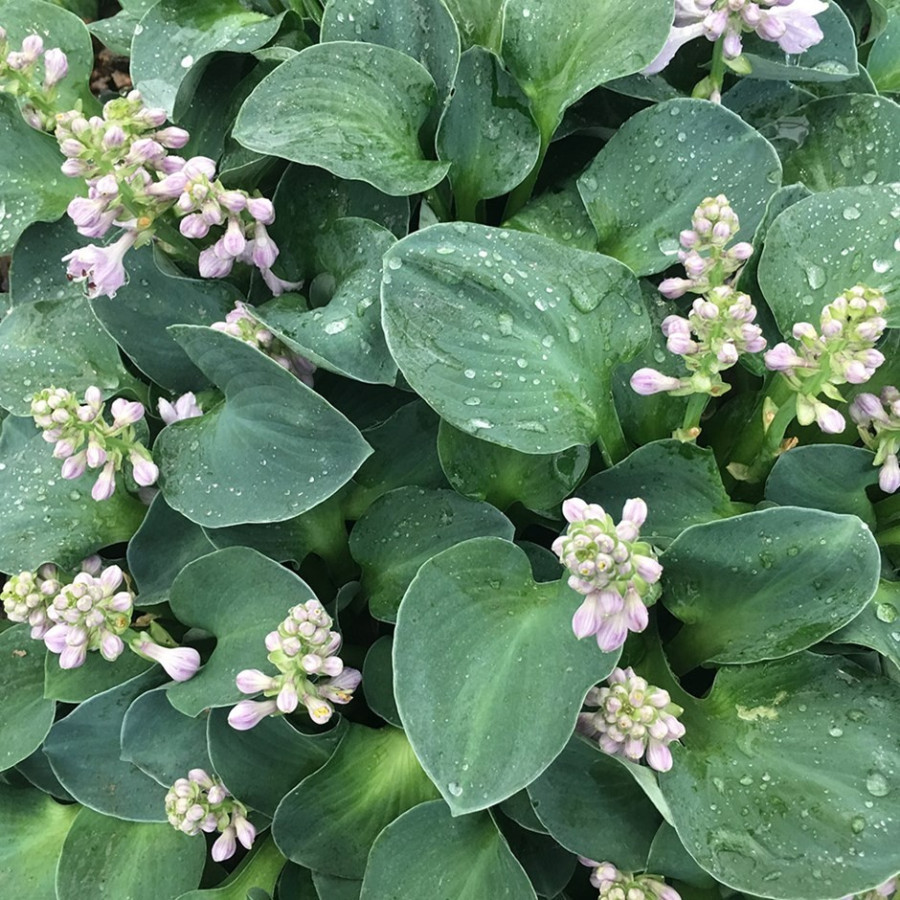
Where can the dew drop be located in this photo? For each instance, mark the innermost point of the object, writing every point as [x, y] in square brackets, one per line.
[850, 213]
[815, 276]
[455, 789]
[505, 324]
[857, 824]
[876, 784]
[885, 612]
[187, 62]
[395, 262]
[881, 265]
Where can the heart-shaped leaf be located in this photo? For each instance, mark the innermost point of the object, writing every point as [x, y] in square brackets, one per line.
[511, 336]
[846, 140]
[786, 772]
[474, 618]
[110, 784]
[803, 573]
[354, 109]
[854, 241]
[428, 853]
[642, 188]
[559, 52]
[239, 596]
[174, 36]
[273, 450]
[127, 859]
[406, 527]
[331, 819]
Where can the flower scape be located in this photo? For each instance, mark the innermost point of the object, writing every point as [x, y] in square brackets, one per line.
[450, 450]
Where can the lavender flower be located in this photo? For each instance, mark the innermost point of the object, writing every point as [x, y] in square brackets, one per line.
[789, 23]
[70, 426]
[616, 573]
[134, 183]
[841, 351]
[241, 323]
[27, 595]
[878, 421]
[89, 614]
[614, 884]
[20, 77]
[180, 663]
[718, 329]
[633, 718]
[185, 407]
[304, 650]
[201, 803]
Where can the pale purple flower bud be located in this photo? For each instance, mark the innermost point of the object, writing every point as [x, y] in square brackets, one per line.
[55, 638]
[721, 232]
[194, 226]
[714, 24]
[278, 286]
[73, 656]
[126, 412]
[55, 67]
[287, 698]
[180, 663]
[249, 713]
[648, 381]
[75, 168]
[172, 137]
[252, 681]
[264, 252]
[233, 201]
[867, 408]
[145, 150]
[672, 288]
[74, 466]
[224, 846]
[261, 209]
[782, 358]
[688, 238]
[889, 474]
[144, 470]
[233, 241]
[185, 407]
[213, 266]
[71, 148]
[828, 419]
[732, 47]
[741, 251]
[246, 833]
[96, 455]
[171, 186]
[111, 646]
[63, 449]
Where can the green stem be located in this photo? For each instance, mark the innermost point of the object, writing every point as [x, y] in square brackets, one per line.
[693, 411]
[612, 443]
[717, 71]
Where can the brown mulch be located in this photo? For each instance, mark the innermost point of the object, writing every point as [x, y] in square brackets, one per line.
[110, 73]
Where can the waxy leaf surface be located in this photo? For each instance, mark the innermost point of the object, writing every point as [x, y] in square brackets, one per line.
[766, 584]
[239, 596]
[354, 109]
[642, 188]
[786, 774]
[511, 336]
[476, 615]
[427, 852]
[273, 450]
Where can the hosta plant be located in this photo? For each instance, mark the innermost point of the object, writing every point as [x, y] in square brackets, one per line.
[449, 449]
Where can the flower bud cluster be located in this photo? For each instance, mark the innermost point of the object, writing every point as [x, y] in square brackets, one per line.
[90, 611]
[201, 803]
[241, 323]
[789, 23]
[26, 596]
[878, 421]
[633, 718]
[89, 614]
[616, 573]
[718, 329]
[614, 884]
[20, 76]
[70, 426]
[706, 261]
[884, 891]
[841, 351]
[303, 648]
[134, 183]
